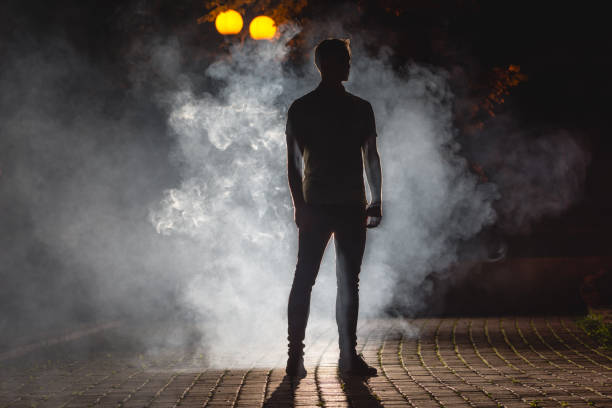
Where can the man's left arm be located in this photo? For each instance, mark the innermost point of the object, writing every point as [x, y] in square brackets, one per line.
[373, 171]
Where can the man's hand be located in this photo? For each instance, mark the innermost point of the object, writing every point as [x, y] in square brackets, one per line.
[374, 215]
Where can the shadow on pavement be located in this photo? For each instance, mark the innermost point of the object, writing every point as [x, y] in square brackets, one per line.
[355, 388]
[283, 395]
[358, 392]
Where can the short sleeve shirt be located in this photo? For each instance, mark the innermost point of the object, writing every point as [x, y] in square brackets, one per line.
[331, 127]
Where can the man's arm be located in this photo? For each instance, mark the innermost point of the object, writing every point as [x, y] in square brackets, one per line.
[294, 173]
[372, 168]
[371, 160]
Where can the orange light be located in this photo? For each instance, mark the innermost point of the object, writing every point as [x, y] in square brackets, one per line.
[229, 22]
[262, 28]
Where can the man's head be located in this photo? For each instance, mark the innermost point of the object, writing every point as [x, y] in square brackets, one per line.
[333, 59]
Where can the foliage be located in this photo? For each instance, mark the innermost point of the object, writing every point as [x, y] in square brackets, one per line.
[494, 92]
[600, 330]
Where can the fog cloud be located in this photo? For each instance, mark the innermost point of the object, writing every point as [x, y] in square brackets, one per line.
[168, 203]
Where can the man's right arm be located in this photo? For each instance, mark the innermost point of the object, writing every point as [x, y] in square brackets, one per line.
[373, 171]
[294, 171]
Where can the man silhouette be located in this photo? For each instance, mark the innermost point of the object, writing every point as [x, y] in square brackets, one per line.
[333, 132]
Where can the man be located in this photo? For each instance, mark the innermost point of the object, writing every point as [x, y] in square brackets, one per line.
[333, 132]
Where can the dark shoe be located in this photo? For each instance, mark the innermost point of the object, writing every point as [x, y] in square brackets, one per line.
[295, 367]
[355, 365]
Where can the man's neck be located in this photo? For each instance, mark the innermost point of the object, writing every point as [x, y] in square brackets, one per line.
[331, 85]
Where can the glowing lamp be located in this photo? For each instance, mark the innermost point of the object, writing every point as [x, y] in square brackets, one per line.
[229, 22]
[262, 28]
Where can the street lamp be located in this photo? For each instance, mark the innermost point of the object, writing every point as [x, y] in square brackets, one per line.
[229, 22]
[262, 28]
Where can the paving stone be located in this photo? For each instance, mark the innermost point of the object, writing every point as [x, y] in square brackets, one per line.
[453, 362]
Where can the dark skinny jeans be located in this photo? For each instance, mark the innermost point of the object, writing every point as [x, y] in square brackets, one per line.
[348, 224]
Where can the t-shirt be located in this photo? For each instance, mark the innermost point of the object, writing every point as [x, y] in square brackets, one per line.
[330, 126]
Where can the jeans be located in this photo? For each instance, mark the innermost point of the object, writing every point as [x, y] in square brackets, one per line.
[348, 224]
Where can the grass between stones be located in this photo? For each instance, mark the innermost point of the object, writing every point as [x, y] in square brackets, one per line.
[597, 328]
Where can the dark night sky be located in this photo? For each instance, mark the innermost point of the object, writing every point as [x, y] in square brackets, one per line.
[563, 48]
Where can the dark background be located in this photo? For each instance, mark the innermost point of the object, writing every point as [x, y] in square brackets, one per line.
[563, 48]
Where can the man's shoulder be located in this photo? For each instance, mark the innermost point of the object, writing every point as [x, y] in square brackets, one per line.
[360, 102]
[303, 101]
[312, 99]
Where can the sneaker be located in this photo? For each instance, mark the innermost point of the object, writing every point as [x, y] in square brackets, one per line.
[355, 365]
[295, 367]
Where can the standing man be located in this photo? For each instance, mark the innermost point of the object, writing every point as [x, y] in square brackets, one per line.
[333, 132]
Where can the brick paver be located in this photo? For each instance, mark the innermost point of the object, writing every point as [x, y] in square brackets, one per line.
[437, 362]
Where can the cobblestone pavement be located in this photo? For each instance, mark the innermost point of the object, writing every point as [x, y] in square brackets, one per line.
[451, 362]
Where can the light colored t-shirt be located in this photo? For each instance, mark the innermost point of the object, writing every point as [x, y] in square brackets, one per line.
[331, 126]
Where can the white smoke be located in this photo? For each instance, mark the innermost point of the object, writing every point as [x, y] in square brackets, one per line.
[234, 202]
[103, 223]
[540, 173]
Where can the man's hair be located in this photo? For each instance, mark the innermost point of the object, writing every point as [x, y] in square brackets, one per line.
[332, 48]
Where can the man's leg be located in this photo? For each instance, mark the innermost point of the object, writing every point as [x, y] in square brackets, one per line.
[349, 240]
[313, 239]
